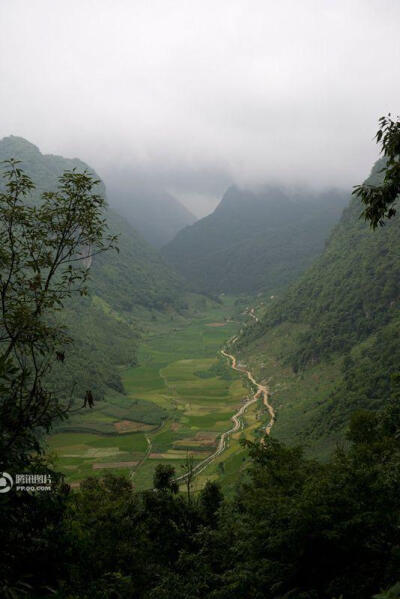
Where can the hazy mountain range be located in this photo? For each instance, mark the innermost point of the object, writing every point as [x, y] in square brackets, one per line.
[152, 211]
[255, 240]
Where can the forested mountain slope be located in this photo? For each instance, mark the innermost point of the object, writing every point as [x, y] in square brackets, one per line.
[119, 282]
[156, 214]
[343, 311]
[255, 241]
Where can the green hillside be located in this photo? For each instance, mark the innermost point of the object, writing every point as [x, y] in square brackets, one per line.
[338, 326]
[103, 325]
[136, 275]
[255, 241]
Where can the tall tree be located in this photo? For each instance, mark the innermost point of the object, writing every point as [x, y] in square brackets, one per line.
[45, 253]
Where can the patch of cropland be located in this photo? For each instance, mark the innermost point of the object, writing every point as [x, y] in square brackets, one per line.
[104, 325]
[330, 343]
[255, 241]
[179, 398]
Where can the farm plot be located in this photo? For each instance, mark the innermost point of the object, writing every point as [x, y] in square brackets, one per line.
[179, 398]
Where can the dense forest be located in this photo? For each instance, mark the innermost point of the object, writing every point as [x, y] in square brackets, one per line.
[255, 241]
[294, 528]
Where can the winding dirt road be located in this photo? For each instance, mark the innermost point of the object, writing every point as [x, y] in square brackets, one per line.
[262, 391]
[223, 438]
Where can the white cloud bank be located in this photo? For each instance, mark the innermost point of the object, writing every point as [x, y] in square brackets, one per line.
[198, 94]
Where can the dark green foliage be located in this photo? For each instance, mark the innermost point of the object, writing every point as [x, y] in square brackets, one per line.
[321, 530]
[33, 529]
[363, 427]
[379, 199]
[211, 498]
[392, 593]
[254, 240]
[367, 379]
[163, 479]
[295, 528]
[100, 524]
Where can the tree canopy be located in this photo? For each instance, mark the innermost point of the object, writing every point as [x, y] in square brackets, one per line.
[379, 200]
[45, 254]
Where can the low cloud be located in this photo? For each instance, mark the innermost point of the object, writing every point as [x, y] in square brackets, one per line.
[195, 95]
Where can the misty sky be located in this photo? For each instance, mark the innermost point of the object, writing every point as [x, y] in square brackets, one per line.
[194, 95]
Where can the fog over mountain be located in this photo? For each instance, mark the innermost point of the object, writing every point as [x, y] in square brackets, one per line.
[196, 96]
[155, 213]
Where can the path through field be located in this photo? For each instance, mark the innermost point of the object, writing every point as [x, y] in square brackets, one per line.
[262, 391]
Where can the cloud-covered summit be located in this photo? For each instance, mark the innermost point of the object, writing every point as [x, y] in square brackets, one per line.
[200, 94]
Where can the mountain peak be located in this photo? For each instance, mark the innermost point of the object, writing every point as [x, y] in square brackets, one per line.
[16, 144]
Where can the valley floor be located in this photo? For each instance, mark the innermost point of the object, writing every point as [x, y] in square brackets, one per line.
[180, 399]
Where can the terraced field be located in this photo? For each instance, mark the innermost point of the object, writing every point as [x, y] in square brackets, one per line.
[179, 399]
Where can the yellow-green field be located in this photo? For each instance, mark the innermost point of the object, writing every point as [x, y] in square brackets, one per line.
[178, 399]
